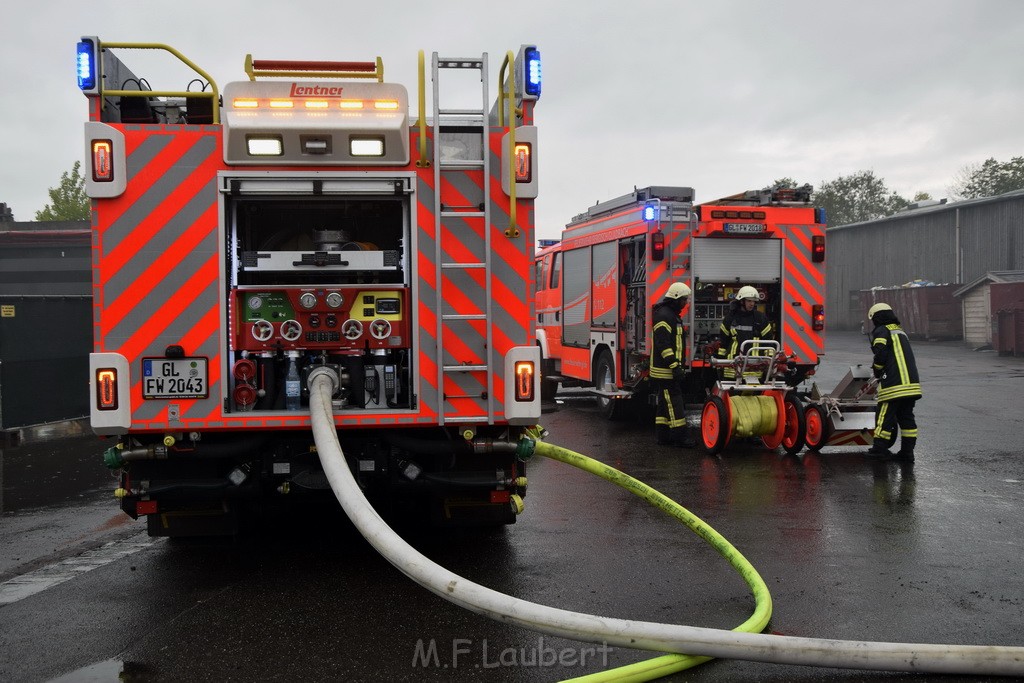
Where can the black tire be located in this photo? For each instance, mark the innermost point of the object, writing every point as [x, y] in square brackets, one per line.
[817, 430]
[604, 378]
[714, 426]
[548, 387]
[793, 438]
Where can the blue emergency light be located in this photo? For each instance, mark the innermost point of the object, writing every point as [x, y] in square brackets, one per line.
[86, 65]
[532, 71]
[651, 211]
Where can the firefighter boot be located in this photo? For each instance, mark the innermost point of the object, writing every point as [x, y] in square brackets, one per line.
[879, 449]
[685, 438]
[906, 451]
[663, 435]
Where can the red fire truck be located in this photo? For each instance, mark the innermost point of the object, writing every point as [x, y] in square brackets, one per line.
[299, 222]
[596, 287]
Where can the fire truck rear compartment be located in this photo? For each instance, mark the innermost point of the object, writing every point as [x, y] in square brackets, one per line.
[319, 280]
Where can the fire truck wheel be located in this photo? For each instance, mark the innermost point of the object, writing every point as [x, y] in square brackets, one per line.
[604, 379]
[548, 387]
[714, 426]
[817, 427]
[794, 434]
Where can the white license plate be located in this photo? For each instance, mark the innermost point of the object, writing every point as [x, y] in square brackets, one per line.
[174, 378]
[745, 228]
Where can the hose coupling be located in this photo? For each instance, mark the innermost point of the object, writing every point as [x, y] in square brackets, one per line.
[115, 457]
[516, 501]
[325, 371]
[525, 448]
[492, 446]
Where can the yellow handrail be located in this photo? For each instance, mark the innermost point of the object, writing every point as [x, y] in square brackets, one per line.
[213, 95]
[423, 161]
[509, 97]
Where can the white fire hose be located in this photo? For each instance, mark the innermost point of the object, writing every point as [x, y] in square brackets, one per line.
[693, 640]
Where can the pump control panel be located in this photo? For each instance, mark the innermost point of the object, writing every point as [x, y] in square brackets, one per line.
[317, 318]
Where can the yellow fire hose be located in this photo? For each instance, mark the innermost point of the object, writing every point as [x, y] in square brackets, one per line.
[667, 664]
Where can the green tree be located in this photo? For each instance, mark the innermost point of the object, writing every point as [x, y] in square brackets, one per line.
[988, 179]
[857, 197]
[68, 201]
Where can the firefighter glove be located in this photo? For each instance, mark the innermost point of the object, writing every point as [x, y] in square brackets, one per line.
[678, 372]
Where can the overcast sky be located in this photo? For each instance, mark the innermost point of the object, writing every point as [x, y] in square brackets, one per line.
[720, 95]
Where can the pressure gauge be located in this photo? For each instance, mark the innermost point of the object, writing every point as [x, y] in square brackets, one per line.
[307, 299]
[255, 302]
[334, 300]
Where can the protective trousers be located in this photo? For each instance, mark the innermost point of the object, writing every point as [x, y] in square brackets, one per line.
[670, 420]
[896, 416]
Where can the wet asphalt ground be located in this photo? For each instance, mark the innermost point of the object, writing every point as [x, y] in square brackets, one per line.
[850, 548]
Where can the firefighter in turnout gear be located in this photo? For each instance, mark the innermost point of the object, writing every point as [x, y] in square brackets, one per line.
[742, 323]
[667, 367]
[899, 386]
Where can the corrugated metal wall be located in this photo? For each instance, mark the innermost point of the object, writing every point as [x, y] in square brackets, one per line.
[45, 321]
[921, 244]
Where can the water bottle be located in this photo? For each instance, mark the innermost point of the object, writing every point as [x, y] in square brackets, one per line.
[292, 384]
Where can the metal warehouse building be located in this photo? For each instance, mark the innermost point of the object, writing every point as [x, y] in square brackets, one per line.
[45, 321]
[950, 244]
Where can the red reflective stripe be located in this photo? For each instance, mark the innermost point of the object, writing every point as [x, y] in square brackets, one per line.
[175, 307]
[142, 234]
[152, 277]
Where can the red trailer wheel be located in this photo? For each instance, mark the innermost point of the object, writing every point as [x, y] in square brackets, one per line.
[794, 434]
[817, 427]
[714, 425]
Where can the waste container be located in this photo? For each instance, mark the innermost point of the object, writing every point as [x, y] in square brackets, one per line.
[929, 312]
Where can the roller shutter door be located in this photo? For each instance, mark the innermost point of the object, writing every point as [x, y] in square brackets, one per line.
[737, 260]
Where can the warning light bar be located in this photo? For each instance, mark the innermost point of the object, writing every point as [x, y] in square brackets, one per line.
[281, 103]
[755, 215]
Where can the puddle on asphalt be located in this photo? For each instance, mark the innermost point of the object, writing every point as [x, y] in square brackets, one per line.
[104, 672]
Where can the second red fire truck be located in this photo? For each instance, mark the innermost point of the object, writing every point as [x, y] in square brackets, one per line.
[596, 286]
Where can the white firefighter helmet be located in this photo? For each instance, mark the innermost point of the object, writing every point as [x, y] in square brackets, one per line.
[678, 290]
[747, 292]
[878, 308]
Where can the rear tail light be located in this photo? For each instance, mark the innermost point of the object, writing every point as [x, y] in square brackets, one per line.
[106, 389]
[524, 380]
[657, 246]
[524, 166]
[818, 317]
[102, 161]
[818, 248]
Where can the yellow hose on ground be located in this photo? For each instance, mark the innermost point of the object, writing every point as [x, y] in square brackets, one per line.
[667, 664]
